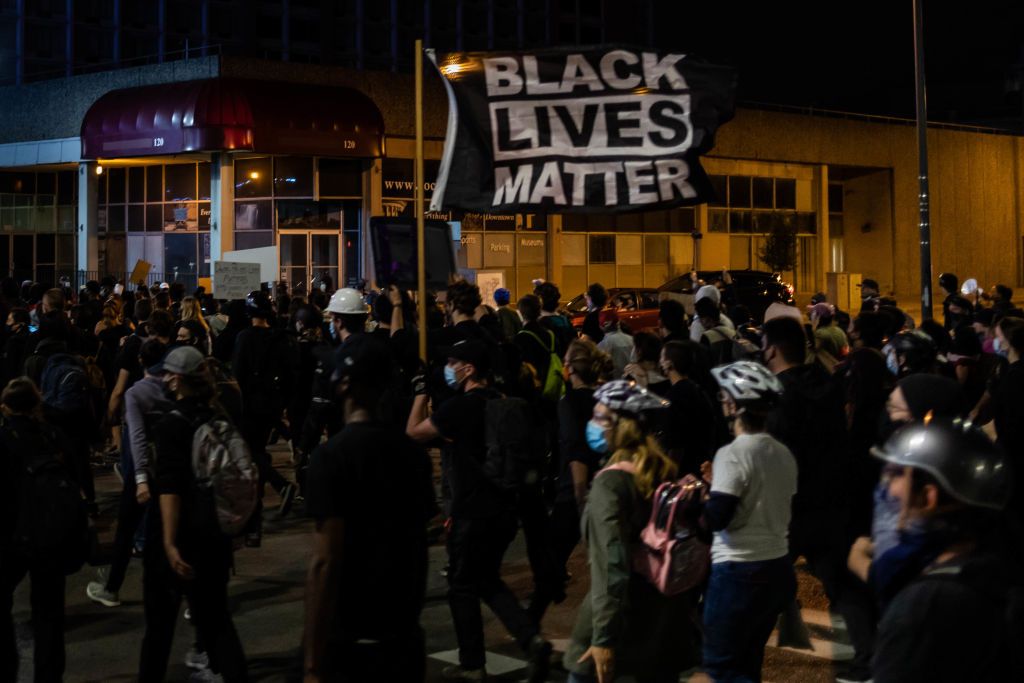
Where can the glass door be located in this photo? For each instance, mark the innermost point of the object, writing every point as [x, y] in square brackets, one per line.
[293, 254]
[323, 252]
[309, 259]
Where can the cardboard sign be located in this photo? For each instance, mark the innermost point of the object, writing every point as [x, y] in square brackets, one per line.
[488, 281]
[140, 272]
[235, 280]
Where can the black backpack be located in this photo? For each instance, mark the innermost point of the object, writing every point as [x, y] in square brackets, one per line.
[51, 522]
[720, 342]
[516, 447]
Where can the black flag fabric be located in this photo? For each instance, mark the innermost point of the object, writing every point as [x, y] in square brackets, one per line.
[566, 130]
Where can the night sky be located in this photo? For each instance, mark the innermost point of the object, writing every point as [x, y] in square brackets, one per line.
[859, 56]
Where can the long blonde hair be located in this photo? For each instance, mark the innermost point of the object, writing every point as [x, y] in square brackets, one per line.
[630, 443]
[191, 310]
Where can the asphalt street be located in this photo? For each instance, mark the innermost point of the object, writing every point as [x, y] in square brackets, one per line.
[266, 593]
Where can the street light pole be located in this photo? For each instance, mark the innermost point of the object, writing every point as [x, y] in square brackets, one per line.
[924, 224]
[421, 248]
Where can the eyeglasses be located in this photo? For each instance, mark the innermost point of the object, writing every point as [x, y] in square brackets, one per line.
[605, 420]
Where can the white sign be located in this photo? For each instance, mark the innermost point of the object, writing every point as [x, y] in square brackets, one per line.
[235, 280]
[265, 256]
[488, 281]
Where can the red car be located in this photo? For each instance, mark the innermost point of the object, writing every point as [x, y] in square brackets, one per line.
[637, 308]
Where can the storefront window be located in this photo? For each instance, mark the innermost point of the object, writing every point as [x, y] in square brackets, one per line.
[181, 217]
[252, 177]
[179, 182]
[180, 257]
[154, 183]
[203, 173]
[137, 184]
[293, 177]
[116, 181]
[308, 215]
[254, 240]
[253, 216]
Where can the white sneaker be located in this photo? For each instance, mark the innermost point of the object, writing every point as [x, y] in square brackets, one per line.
[205, 676]
[98, 592]
[196, 659]
[456, 674]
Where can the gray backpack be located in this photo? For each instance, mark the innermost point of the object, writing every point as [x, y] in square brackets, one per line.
[225, 473]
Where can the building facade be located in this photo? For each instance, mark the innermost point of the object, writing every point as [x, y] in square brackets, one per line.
[180, 161]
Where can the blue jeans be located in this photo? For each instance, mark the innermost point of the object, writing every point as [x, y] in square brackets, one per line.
[741, 604]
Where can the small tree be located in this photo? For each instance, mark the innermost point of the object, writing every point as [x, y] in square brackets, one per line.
[779, 249]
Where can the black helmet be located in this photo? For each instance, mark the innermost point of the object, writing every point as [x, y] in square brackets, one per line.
[257, 304]
[965, 462]
[915, 352]
[949, 282]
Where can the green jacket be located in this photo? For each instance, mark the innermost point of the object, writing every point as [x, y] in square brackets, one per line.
[649, 632]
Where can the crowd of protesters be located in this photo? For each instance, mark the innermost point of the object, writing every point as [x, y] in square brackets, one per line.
[882, 454]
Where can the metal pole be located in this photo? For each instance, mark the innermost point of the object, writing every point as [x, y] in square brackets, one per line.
[421, 249]
[924, 225]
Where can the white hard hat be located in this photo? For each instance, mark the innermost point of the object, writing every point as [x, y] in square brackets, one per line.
[347, 301]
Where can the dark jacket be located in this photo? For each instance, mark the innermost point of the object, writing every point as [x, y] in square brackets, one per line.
[651, 633]
[265, 363]
[810, 420]
[173, 435]
[953, 623]
[14, 354]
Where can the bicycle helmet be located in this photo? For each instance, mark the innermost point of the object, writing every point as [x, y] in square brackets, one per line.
[257, 304]
[626, 396]
[749, 384]
[915, 352]
[965, 462]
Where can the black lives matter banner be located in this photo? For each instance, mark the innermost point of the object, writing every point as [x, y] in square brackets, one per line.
[578, 130]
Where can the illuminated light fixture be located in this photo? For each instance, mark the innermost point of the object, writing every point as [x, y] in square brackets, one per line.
[454, 68]
[99, 169]
[254, 175]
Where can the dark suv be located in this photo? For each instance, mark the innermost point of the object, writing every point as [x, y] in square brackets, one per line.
[755, 289]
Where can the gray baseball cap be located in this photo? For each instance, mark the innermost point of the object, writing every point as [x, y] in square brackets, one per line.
[181, 360]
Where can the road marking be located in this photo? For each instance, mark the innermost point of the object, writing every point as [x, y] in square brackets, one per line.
[497, 665]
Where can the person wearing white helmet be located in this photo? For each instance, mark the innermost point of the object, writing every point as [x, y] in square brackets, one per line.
[348, 313]
[753, 480]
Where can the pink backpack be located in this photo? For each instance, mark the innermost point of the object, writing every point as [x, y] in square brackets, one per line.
[671, 556]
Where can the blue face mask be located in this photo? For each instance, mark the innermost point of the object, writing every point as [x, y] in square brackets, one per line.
[595, 437]
[450, 378]
[892, 363]
[997, 346]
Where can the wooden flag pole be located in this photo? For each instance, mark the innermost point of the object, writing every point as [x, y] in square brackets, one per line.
[421, 267]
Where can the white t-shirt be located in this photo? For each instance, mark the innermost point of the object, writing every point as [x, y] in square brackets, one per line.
[761, 472]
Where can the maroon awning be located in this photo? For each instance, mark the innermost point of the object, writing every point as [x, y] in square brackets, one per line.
[233, 114]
